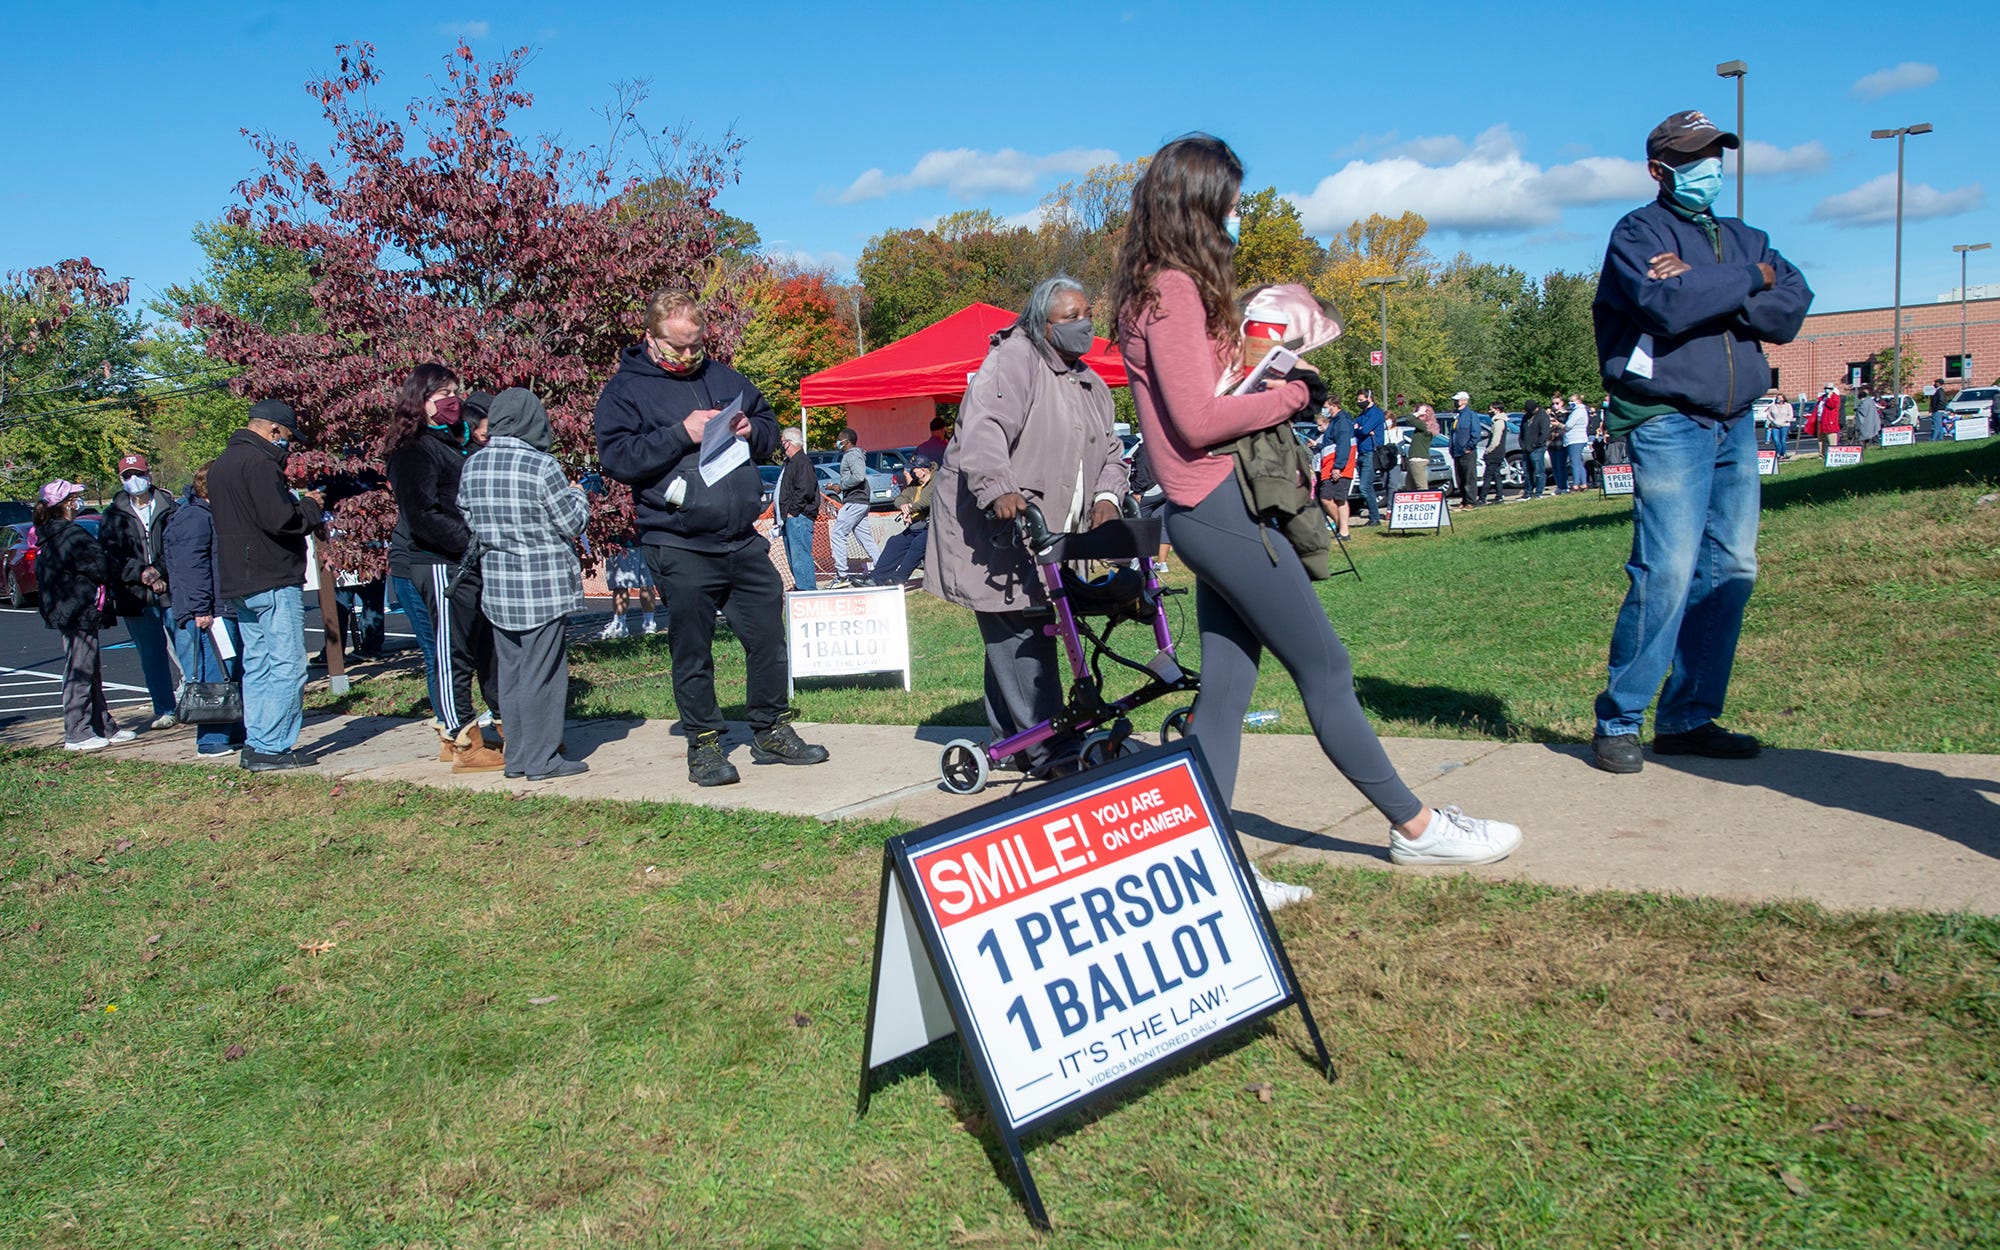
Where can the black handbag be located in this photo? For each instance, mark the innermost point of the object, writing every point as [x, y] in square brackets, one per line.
[209, 702]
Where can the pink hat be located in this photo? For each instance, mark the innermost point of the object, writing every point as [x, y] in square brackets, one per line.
[58, 492]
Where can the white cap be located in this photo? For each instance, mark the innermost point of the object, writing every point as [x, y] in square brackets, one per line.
[1462, 395]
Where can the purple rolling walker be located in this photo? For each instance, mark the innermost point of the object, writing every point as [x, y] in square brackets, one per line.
[1131, 591]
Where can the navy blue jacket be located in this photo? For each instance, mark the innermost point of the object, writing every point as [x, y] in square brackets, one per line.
[1702, 331]
[188, 548]
[1468, 433]
[643, 442]
[1368, 432]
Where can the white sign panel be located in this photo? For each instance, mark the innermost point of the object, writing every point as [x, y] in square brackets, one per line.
[1899, 435]
[1839, 457]
[1971, 427]
[845, 633]
[1418, 510]
[1767, 464]
[1617, 479]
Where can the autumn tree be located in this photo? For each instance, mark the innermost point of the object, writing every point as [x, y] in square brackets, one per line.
[1274, 246]
[799, 325]
[435, 232]
[1420, 363]
[69, 375]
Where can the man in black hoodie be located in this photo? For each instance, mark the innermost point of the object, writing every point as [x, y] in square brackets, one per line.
[701, 538]
[260, 544]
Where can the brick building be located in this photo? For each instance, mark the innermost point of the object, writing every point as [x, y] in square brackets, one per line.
[1839, 347]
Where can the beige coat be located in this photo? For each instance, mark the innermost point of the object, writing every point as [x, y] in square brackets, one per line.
[1031, 425]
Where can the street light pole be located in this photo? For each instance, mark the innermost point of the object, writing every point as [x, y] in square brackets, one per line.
[1737, 70]
[1963, 249]
[1896, 327]
[1382, 285]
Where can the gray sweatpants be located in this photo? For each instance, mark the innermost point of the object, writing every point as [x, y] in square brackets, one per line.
[533, 667]
[85, 713]
[1245, 604]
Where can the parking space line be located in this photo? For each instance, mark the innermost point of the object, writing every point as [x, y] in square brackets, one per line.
[57, 677]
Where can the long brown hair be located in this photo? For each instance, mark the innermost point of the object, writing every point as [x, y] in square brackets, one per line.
[408, 418]
[1178, 206]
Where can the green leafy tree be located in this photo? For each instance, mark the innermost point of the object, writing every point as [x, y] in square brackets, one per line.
[1549, 343]
[1420, 362]
[1473, 301]
[70, 376]
[1914, 366]
[1274, 245]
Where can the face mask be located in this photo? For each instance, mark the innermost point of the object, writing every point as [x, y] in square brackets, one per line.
[138, 485]
[448, 409]
[1696, 185]
[283, 442]
[1232, 226]
[1071, 338]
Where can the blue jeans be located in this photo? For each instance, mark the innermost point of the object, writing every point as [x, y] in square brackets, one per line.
[148, 631]
[273, 625]
[1364, 482]
[199, 662]
[419, 616]
[1694, 560]
[1778, 439]
[1538, 473]
[1559, 465]
[361, 624]
[1580, 476]
[798, 537]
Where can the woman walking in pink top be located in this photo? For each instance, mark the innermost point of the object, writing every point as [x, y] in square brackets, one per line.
[1175, 292]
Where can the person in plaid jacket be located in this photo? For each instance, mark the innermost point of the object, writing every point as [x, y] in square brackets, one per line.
[525, 517]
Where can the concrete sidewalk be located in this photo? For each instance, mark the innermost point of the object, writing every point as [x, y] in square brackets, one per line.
[1850, 830]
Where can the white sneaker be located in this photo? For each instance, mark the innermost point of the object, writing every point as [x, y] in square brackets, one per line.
[121, 737]
[165, 720]
[1279, 894]
[649, 627]
[1455, 838]
[614, 628]
[92, 743]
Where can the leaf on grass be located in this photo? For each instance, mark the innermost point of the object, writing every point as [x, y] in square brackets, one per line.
[801, 1020]
[153, 940]
[1664, 1011]
[281, 991]
[150, 956]
[235, 1051]
[771, 865]
[1871, 1013]
[338, 925]
[850, 941]
[121, 846]
[1798, 1187]
[1828, 1126]
[1893, 983]
[1263, 1089]
[544, 1000]
[318, 948]
[335, 792]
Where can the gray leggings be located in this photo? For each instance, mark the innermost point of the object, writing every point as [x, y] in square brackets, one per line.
[1244, 603]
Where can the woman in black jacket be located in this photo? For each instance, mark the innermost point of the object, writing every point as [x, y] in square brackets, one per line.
[70, 572]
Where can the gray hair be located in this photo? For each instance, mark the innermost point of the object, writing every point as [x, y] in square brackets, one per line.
[792, 435]
[1035, 317]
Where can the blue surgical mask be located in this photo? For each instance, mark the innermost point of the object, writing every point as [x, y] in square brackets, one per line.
[1696, 185]
[1232, 226]
[282, 443]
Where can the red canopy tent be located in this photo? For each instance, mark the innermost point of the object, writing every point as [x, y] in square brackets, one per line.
[892, 392]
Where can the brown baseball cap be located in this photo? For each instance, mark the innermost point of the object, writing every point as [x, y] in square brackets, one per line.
[134, 463]
[1685, 132]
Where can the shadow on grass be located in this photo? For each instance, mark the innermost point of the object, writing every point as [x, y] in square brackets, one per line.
[1445, 706]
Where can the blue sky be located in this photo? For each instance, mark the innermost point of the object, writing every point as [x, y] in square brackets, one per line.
[1516, 130]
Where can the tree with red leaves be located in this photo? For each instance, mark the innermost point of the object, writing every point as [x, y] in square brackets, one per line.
[442, 236]
[802, 324]
[69, 375]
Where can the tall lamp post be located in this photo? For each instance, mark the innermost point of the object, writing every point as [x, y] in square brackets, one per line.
[1964, 365]
[1736, 70]
[1382, 285]
[1896, 327]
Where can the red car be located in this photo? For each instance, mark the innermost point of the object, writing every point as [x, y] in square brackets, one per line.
[17, 580]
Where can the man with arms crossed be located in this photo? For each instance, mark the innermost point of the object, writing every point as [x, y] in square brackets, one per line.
[1684, 304]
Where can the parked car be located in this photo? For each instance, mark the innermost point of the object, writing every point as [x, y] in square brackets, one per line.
[1975, 401]
[769, 472]
[12, 513]
[18, 542]
[882, 467]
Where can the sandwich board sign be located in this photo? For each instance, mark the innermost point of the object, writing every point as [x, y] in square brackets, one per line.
[1964, 428]
[1839, 456]
[1767, 464]
[1615, 479]
[1899, 435]
[1075, 938]
[1418, 510]
[847, 633]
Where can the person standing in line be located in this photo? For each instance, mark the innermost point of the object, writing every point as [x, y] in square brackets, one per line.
[851, 522]
[1868, 417]
[1417, 455]
[1370, 424]
[1576, 440]
[1467, 437]
[1685, 301]
[189, 549]
[1534, 450]
[798, 504]
[701, 538]
[1829, 418]
[1780, 416]
[130, 534]
[260, 533]
[70, 574]
[1174, 289]
[1937, 406]
[1494, 454]
[1336, 463]
[525, 518]
[424, 450]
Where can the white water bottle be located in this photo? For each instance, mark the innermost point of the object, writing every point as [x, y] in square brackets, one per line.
[1257, 720]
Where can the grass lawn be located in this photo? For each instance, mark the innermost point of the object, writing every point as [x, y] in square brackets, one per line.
[1874, 626]
[246, 1011]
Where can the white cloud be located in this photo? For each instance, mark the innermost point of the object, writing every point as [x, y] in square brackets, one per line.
[1432, 149]
[466, 30]
[1905, 77]
[1873, 203]
[969, 174]
[1769, 160]
[1488, 188]
[1026, 219]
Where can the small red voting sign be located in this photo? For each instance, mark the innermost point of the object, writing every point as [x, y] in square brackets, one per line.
[1838, 456]
[1899, 435]
[1767, 464]
[1617, 479]
[1418, 510]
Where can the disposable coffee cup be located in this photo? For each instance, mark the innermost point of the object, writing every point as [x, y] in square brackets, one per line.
[1259, 337]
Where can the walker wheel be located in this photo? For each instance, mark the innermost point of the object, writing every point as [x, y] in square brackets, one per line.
[1176, 724]
[962, 766]
[1100, 749]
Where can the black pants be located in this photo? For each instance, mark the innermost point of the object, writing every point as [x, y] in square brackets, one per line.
[85, 713]
[902, 556]
[745, 587]
[1491, 486]
[464, 641]
[536, 666]
[1468, 478]
[1024, 683]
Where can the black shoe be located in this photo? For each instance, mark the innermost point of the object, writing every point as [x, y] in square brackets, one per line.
[781, 744]
[1617, 753]
[1711, 740]
[708, 765]
[562, 768]
[270, 762]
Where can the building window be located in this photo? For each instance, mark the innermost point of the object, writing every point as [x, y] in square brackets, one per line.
[1861, 372]
[1957, 368]
[1775, 384]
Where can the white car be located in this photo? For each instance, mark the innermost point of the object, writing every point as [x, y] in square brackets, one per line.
[1974, 401]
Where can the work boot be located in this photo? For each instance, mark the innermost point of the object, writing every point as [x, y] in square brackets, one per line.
[781, 744]
[707, 764]
[470, 754]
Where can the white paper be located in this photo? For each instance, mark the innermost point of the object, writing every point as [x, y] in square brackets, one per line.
[223, 647]
[721, 450]
[1641, 364]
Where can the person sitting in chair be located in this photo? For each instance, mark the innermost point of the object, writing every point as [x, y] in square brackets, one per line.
[903, 554]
